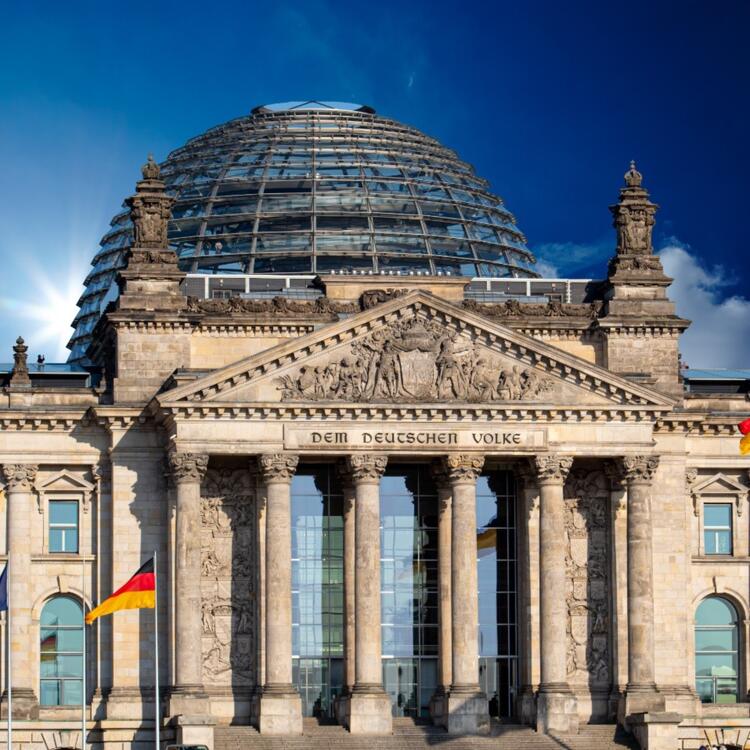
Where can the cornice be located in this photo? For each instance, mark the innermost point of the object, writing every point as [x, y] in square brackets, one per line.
[48, 421]
[698, 424]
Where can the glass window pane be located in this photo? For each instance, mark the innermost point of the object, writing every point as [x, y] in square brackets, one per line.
[50, 693]
[62, 610]
[56, 540]
[63, 512]
[715, 514]
[72, 692]
[715, 611]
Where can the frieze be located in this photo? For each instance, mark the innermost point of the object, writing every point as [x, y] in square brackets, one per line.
[279, 305]
[512, 308]
[414, 360]
[588, 579]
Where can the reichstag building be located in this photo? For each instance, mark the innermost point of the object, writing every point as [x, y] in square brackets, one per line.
[392, 476]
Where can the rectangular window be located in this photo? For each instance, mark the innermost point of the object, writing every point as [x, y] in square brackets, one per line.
[717, 528]
[63, 526]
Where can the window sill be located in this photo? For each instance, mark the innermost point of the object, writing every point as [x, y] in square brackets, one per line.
[719, 559]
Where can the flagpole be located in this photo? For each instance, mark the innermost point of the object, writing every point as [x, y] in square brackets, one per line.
[9, 645]
[157, 700]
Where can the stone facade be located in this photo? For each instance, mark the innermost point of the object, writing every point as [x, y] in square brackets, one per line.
[206, 411]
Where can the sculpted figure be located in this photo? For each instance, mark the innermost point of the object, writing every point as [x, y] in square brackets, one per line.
[483, 380]
[207, 618]
[210, 564]
[387, 373]
[451, 381]
[244, 621]
[515, 383]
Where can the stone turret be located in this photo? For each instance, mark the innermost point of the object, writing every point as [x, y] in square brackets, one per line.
[19, 377]
[640, 323]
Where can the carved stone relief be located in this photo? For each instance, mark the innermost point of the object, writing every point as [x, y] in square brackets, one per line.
[228, 583]
[587, 568]
[414, 359]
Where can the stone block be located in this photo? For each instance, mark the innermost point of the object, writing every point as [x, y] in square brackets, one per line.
[467, 713]
[656, 730]
[280, 713]
[370, 713]
[195, 730]
[556, 713]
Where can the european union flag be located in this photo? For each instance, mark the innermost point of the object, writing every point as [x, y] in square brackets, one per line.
[4, 590]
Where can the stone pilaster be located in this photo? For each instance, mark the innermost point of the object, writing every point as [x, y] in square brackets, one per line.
[187, 696]
[467, 708]
[556, 704]
[280, 710]
[369, 705]
[641, 694]
[438, 704]
[19, 489]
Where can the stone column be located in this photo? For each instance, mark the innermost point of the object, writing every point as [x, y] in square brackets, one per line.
[19, 489]
[641, 694]
[347, 488]
[187, 697]
[468, 710]
[369, 705]
[556, 704]
[280, 705]
[438, 704]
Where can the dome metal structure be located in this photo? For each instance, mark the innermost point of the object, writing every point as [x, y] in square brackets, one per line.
[315, 188]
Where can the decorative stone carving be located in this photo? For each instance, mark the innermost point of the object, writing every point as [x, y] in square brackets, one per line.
[639, 469]
[512, 308]
[414, 359]
[634, 216]
[365, 467]
[552, 467]
[716, 486]
[690, 476]
[187, 467]
[150, 209]
[463, 467]
[279, 305]
[587, 569]
[374, 297]
[20, 477]
[277, 467]
[20, 374]
[613, 472]
[228, 578]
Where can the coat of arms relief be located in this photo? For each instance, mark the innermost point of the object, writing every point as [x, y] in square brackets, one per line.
[414, 359]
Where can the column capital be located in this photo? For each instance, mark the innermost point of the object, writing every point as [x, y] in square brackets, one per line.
[639, 469]
[187, 467]
[551, 468]
[366, 467]
[463, 467]
[278, 467]
[20, 477]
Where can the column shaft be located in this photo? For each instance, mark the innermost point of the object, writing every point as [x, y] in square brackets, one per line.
[445, 677]
[187, 471]
[19, 480]
[349, 587]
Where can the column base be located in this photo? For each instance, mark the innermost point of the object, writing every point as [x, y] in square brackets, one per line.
[188, 700]
[194, 730]
[556, 710]
[638, 699]
[657, 730]
[466, 712]
[280, 711]
[439, 707]
[25, 704]
[369, 712]
[129, 703]
[526, 705]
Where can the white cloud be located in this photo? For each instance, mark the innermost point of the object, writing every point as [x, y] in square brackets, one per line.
[546, 269]
[573, 257]
[719, 336]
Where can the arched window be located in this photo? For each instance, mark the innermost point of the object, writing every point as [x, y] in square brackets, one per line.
[61, 652]
[716, 651]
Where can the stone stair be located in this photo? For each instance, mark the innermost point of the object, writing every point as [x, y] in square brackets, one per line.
[408, 735]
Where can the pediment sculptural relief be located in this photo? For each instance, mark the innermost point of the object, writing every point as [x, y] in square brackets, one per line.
[413, 360]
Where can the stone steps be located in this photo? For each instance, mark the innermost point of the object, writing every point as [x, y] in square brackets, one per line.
[410, 736]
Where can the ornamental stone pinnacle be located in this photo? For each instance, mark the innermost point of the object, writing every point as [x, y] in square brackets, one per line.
[634, 216]
[463, 467]
[20, 375]
[552, 468]
[188, 467]
[150, 208]
[366, 467]
[639, 469]
[278, 467]
[20, 477]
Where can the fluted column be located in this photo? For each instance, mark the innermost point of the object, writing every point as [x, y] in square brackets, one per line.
[468, 710]
[347, 488]
[641, 694]
[369, 708]
[556, 705]
[445, 661]
[19, 488]
[187, 695]
[280, 705]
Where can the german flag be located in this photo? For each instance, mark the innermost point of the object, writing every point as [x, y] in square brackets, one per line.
[138, 593]
[745, 442]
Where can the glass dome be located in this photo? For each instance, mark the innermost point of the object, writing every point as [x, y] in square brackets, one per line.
[317, 187]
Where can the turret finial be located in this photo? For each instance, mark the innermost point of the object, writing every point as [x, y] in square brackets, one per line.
[633, 178]
[150, 170]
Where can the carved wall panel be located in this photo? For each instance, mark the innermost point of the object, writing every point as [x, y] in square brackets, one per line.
[228, 578]
[587, 567]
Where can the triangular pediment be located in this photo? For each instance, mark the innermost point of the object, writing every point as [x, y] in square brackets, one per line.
[64, 481]
[417, 349]
[719, 484]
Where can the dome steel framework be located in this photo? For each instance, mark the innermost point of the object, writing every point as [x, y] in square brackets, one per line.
[316, 187]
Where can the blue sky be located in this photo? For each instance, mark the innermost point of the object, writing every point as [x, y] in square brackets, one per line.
[548, 100]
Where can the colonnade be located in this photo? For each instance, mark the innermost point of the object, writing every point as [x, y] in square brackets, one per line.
[459, 700]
